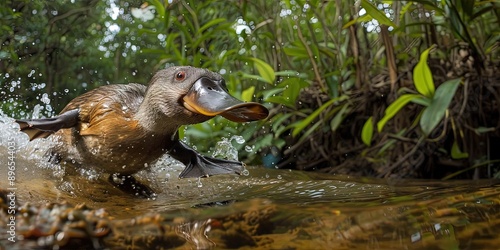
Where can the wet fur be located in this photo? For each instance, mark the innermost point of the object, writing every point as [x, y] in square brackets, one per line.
[107, 133]
[124, 128]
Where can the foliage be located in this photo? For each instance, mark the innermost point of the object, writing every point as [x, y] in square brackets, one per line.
[59, 50]
[435, 102]
[459, 19]
[328, 70]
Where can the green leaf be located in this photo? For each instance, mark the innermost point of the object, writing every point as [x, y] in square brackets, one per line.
[422, 76]
[406, 8]
[279, 119]
[270, 93]
[160, 8]
[377, 14]
[456, 153]
[255, 77]
[367, 132]
[430, 5]
[365, 18]
[280, 100]
[394, 108]
[424, 101]
[209, 34]
[296, 52]
[292, 88]
[433, 114]
[308, 120]
[265, 70]
[247, 94]
[339, 117]
[291, 73]
[309, 131]
[210, 24]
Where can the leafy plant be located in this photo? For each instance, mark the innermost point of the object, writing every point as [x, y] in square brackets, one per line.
[435, 102]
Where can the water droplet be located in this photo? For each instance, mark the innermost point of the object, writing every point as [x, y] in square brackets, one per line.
[226, 150]
[245, 172]
[45, 98]
[238, 139]
[249, 148]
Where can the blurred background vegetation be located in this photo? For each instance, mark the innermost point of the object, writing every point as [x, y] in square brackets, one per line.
[371, 88]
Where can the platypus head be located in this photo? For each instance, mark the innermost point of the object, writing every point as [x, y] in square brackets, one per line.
[186, 95]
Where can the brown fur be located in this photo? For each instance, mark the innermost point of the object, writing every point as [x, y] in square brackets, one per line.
[124, 128]
[107, 136]
[110, 135]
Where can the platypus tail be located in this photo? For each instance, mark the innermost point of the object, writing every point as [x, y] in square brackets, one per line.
[41, 128]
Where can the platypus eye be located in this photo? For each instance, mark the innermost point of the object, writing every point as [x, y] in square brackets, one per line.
[179, 76]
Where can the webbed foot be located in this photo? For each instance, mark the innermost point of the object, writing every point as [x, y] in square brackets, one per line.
[130, 185]
[198, 165]
[41, 128]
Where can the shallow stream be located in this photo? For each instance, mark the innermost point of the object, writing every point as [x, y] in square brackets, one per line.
[266, 209]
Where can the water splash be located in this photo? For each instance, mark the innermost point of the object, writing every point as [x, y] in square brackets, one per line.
[225, 149]
[166, 167]
[90, 174]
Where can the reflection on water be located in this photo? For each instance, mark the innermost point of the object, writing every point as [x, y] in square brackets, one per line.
[269, 209]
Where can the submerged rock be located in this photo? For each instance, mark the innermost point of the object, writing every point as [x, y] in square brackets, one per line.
[52, 226]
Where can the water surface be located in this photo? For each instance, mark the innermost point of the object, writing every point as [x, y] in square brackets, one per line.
[266, 209]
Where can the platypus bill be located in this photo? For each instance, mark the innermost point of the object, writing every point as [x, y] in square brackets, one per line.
[122, 128]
